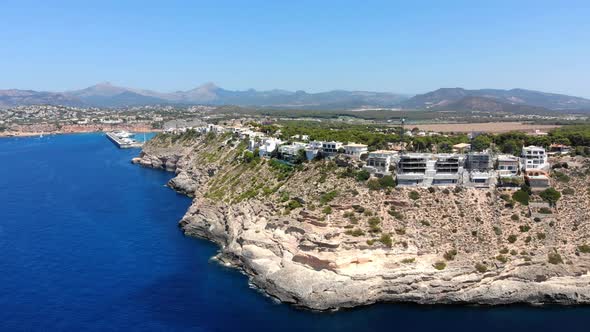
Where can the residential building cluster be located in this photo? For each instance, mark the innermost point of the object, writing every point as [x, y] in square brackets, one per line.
[461, 167]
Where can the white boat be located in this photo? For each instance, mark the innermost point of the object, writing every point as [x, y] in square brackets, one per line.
[124, 134]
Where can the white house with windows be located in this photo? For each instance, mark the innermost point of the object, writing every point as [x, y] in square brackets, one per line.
[313, 149]
[268, 146]
[534, 157]
[331, 148]
[355, 150]
[380, 161]
[289, 152]
[507, 165]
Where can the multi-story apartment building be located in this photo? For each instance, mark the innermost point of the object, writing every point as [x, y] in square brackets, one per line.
[534, 157]
[507, 165]
[415, 169]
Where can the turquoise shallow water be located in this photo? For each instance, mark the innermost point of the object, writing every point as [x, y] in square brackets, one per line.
[89, 242]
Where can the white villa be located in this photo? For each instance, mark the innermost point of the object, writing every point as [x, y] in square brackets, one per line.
[534, 157]
[330, 148]
[289, 152]
[379, 162]
[268, 146]
[507, 165]
[355, 150]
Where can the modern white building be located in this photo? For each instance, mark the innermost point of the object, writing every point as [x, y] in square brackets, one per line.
[425, 169]
[312, 150]
[507, 165]
[534, 157]
[268, 146]
[289, 152]
[330, 148]
[379, 162]
[355, 150]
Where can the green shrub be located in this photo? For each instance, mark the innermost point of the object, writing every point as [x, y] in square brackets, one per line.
[358, 208]
[373, 184]
[294, 204]
[481, 268]
[568, 191]
[561, 177]
[521, 197]
[504, 251]
[524, 228]
[414, 195]
[396, 214]
[357, 232]
[386, 240]
[284, 196]
[440, 265]
[497, 230]
[502, 258]
[545, 210]
[424, 223]
[450, 255]
[362, 175]
[328, 197]
[387, 181]
[512, 238]
[585, 249]
[408, 260]
[327, 209]
[515, 217]
[374, 221]
[374, 225]
[541, 236]
[550, 195]
[554, 258]
[400, 231]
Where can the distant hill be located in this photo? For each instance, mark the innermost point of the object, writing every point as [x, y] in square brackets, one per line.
[108, 95]
[444, 97]
[491, 100]
[13, 97]
[490, 105]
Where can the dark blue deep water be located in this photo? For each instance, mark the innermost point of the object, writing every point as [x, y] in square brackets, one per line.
[89, 242]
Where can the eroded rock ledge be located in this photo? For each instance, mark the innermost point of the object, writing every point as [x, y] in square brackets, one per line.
[307, 258]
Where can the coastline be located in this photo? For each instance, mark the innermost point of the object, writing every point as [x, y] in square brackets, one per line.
[296, 259]
[9, 134]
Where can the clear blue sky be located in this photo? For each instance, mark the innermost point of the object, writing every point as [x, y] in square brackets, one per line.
[398, 46]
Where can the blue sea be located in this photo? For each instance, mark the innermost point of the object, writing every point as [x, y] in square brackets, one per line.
[89, 242]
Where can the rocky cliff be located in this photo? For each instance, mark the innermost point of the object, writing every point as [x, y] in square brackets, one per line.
[315, 237]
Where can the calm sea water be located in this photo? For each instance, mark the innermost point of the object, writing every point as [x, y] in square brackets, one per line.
[89, 242]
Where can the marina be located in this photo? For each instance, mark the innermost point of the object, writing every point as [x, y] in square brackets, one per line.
[123, 140]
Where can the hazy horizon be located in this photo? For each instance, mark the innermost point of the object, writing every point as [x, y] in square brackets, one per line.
[406, 48]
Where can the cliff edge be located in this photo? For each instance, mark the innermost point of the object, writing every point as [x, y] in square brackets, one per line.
[316, 237]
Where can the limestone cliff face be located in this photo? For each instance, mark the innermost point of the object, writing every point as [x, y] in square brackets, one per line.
[316, 238]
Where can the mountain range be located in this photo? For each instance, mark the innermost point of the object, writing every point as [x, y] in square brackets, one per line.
[108, 95]
[488, 100]
[514, 100]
